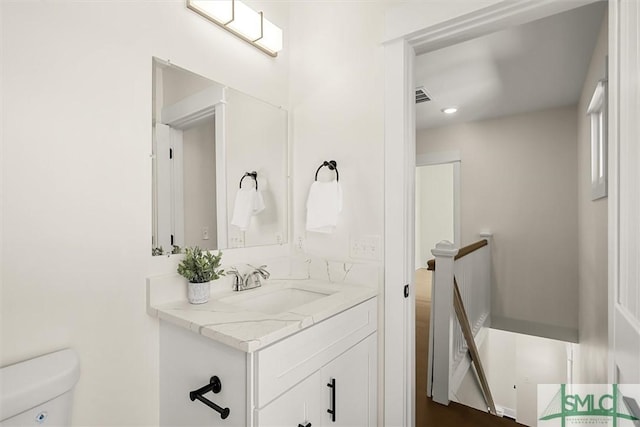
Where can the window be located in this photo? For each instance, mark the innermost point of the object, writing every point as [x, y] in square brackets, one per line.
[597, 111]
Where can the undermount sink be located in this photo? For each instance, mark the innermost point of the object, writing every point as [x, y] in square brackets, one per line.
[276, 301]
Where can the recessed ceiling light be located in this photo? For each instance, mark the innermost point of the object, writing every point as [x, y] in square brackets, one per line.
[449, 110]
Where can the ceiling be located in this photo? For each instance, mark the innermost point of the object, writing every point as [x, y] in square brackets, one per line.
[538, 65]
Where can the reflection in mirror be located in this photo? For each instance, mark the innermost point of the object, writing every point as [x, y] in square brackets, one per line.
[219, 165]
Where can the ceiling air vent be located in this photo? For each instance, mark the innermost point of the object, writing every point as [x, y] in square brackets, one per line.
[422, 95]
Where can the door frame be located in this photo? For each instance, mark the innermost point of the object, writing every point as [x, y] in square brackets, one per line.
[453, 27]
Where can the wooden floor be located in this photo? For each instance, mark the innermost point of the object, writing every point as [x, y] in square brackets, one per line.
[429, 413]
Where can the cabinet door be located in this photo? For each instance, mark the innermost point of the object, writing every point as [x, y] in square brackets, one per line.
[350, 387]
[299, 406]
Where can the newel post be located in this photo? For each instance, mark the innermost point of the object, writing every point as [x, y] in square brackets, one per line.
[443, 319]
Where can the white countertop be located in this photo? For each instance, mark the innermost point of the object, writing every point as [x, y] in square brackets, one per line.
[249, 331]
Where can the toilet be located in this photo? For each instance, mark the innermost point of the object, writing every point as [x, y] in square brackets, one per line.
[39, 391]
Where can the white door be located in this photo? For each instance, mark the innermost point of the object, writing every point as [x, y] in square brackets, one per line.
[300, 406]
[163, 187]
[349, 387]
[624, 192]
[169, 178]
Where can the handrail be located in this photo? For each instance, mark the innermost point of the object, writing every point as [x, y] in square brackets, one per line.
[463, 320]
[431, 264]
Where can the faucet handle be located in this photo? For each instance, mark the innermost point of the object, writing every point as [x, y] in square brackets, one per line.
[262, 270]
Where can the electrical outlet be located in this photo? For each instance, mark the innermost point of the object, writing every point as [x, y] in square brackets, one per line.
[205, 233]
[279, 238]
[237, 241]
[365, 247]
[300, 244]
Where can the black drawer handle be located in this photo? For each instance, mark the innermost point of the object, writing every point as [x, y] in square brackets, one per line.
[215, 386]
[332, 411]
[306, 425]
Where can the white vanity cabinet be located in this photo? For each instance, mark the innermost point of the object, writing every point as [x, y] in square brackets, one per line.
[345, 386]
[282, 384]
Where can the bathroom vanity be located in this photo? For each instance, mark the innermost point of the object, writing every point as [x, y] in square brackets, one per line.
[295, 352]
[291, 353]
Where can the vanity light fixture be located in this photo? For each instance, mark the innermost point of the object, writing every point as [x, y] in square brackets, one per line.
[449, 110]
[239, 19]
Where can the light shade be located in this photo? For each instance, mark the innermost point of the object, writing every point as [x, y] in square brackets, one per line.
[220, 11]
[246, 21]
[239, 19]
[271, 37]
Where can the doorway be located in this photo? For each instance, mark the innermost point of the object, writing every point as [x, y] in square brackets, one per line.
[400, 51]
[437, 207]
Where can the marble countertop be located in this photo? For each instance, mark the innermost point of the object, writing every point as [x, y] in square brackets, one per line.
[233, 319]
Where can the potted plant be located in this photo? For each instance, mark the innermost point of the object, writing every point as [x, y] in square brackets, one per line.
[200, 268]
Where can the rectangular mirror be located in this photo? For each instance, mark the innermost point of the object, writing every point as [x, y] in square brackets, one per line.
[219, 165]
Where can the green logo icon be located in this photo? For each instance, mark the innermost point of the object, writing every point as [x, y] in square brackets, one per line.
[566, 405]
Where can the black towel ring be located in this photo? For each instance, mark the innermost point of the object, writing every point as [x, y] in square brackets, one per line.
[332, 165]
[253, 175]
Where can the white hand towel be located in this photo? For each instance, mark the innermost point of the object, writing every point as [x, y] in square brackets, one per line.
[323, 206]
[248, 202]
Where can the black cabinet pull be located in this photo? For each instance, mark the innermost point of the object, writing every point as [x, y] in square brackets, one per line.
[306, 425]
[215, 386]
[332, 411]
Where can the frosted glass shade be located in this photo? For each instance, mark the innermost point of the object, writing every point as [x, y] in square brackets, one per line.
[217, 10]
[246, 21]
[271, 37]
[239, 19]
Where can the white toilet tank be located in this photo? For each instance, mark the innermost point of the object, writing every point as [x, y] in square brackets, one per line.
[39, 392]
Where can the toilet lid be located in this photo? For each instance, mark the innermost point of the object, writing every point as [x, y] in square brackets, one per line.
[27, 384]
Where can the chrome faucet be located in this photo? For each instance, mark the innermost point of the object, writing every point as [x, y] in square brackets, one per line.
[253, 278]
[250, 280]
[237, 279]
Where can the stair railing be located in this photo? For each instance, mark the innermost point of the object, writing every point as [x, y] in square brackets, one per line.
[460, 312]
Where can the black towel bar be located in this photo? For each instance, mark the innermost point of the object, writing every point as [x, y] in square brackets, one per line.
[332, 165]
[253, 175]
[215, 386]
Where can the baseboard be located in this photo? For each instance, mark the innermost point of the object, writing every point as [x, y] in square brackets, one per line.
[505, 412]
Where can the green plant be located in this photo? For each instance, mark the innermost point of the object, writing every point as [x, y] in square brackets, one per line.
[200, 267]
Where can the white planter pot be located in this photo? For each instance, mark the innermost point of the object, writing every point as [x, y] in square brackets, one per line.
[198, 293]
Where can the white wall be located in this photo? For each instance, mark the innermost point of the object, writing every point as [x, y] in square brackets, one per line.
[434, 194]
[501, 355]
[514, 365]
[261, 147]
[498, 356]
[518, 179]
[178, 84]
[337, 113]
[413, 16]
[76, 174]
[591, 367]
[538, 361]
